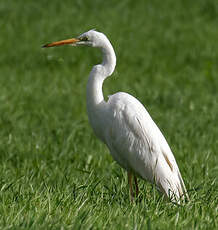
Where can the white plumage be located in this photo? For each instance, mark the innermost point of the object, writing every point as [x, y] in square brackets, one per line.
[125, 126]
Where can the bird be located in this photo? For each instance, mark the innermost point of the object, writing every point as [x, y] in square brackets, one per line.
[123, 124]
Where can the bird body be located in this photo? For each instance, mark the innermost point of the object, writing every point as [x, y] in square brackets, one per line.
[136, 143]
[125, 126]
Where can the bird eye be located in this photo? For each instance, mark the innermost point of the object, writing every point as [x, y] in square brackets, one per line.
[84, 39]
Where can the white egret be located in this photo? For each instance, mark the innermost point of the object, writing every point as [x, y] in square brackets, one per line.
[125, 126]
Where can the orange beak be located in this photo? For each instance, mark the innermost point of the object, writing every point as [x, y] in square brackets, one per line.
[62, 42]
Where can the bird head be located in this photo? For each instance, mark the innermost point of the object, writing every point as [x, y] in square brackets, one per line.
[90, 38]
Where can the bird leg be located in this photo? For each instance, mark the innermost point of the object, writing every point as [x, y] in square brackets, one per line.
[136, 186]
[130, 185]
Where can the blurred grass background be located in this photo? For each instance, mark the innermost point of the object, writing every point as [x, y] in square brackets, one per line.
[54, 173]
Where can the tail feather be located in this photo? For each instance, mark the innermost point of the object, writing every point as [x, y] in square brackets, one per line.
[184, 190]
[170, 183]
[174, 188]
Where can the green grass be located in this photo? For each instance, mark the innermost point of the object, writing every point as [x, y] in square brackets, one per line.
[54, 173]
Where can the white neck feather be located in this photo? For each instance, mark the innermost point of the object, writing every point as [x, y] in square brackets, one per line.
[94, 93]
[99, 73]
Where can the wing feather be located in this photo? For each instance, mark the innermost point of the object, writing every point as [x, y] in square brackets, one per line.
[138, 145]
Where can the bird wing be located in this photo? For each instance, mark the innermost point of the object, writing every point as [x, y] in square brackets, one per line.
[138, 145]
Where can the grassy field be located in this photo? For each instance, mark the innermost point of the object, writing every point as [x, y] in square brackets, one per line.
[54, 173]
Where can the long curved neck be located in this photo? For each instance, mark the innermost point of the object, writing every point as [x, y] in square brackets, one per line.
[109, 59]
[94, 95]
[99, 73]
